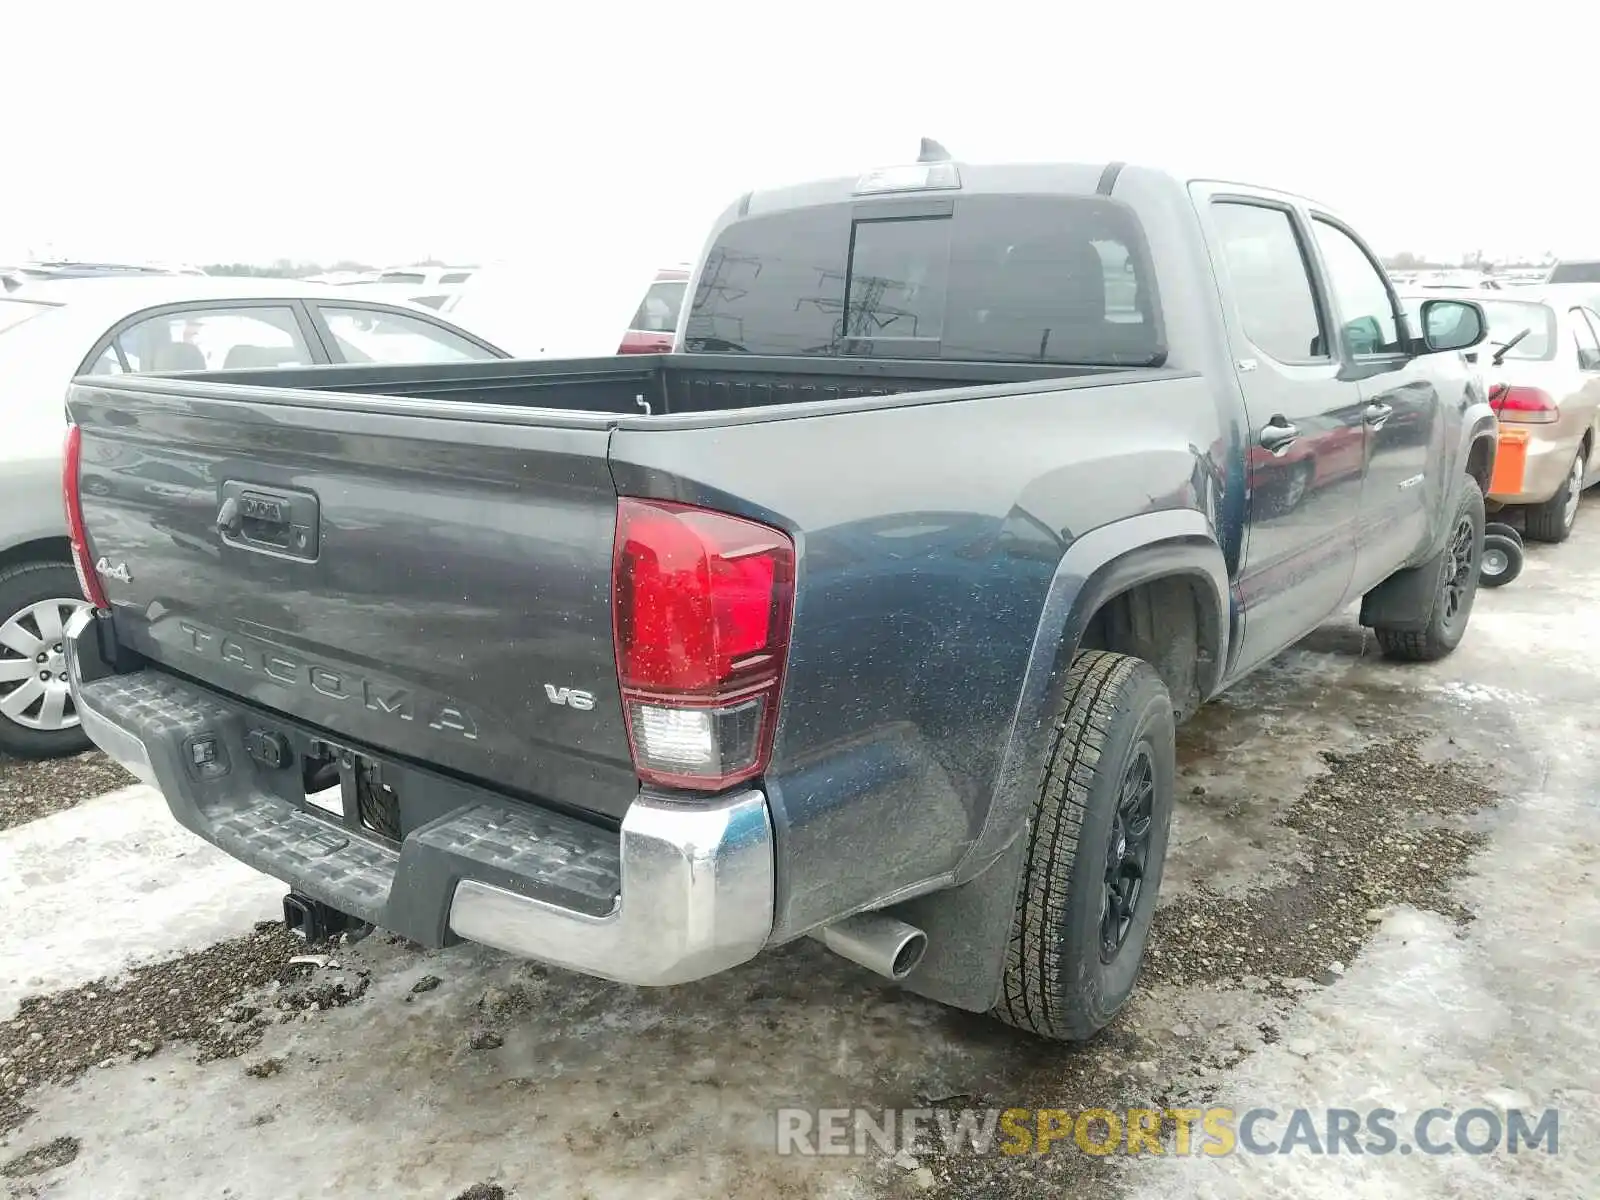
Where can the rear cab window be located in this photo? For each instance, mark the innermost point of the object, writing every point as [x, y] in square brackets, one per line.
[974, 277]
[1577, 271]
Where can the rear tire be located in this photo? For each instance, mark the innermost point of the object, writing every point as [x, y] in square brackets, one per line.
[1553, 520]
[1096, 847]
[1457, 572]
[31, 592]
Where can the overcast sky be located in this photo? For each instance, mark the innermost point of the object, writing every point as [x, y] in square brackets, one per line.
[249, 130]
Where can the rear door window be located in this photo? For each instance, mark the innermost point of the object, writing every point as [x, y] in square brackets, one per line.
[1056, 279]
[216, 339]
[373, 335]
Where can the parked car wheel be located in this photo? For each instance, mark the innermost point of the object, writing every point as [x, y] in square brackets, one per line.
[37, 716]
[1097, 845]
[1553, 520]
[1502, 560]
[1457, 571]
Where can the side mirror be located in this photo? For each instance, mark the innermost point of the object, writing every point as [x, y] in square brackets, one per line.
[1451, 325]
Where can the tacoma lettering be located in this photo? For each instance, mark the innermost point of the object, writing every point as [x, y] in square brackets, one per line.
[327, 682]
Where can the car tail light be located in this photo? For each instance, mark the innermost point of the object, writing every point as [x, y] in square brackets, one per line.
[637, 342]
[1523, 405]
[88, 579]
[702, 604]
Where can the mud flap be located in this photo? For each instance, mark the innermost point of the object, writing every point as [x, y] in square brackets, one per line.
[1405, 600]
[967, 927]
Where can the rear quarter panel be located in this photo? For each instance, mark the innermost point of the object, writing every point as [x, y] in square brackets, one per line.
[30, 491]
[929, 536]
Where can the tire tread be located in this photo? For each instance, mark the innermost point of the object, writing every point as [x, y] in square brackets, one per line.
[1031, 996]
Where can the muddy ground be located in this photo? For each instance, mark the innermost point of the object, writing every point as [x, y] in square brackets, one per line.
[1382, 891]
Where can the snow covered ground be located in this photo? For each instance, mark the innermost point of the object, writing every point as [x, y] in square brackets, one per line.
[111, 883]
[462, 1067]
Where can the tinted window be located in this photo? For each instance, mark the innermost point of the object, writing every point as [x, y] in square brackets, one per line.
[1361, 292]
[400, 277]
[1001, 279]
[216, 339]
[1270, 281]
[1576, 272]
[370, 335]
[455, 277]
[899, 278]
[662, 303]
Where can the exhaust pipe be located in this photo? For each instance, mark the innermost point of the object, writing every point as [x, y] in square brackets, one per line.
[877, 942]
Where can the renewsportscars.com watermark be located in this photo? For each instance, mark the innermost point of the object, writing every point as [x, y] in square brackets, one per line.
[1213, 1132]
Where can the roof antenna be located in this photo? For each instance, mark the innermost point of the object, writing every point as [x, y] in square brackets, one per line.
[932, 151]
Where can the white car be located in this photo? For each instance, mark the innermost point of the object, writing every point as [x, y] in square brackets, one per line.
[52, 331]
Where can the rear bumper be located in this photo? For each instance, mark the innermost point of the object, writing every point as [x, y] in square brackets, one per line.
[1549, 461]
[682, 892]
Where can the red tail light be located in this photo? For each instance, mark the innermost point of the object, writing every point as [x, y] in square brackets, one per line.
[637, 341]
[702, 603]
[1523, 405]
[88, 579]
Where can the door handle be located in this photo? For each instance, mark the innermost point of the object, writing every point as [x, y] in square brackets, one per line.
[1277, 435]
[1377, 414]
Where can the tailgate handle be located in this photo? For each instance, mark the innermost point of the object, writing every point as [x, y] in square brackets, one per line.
[269, 521]
[229, 522]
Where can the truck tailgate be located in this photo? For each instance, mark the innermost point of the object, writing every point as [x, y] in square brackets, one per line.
[432, 586]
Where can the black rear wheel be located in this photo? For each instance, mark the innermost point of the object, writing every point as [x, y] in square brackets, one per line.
[1097, 845]
[1457, 571]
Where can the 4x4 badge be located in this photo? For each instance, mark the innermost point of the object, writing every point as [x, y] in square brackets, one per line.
[119, 572]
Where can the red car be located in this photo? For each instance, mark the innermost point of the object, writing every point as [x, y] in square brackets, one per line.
[653, 326]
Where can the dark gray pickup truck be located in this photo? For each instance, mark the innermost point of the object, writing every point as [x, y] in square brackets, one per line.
[867, 614]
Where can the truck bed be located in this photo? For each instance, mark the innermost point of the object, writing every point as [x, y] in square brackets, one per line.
[658, 384]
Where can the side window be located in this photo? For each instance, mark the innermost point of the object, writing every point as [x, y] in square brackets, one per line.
[216, 339]
[1358, 285]
[1271, 284]
[106, 364]
[1588, 344]
[372, 335]
[455, 277]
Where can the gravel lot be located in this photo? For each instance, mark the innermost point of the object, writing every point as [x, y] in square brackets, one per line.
[1382, 889]
[30, 790]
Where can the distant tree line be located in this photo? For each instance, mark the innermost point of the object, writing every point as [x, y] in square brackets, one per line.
[284, 268]
[1472, 260]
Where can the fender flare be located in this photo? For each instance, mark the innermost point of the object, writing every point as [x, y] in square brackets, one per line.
[1096, 568]
[1485, 429]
